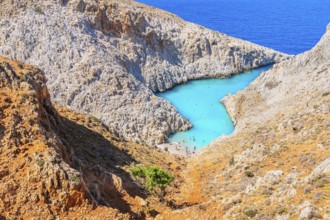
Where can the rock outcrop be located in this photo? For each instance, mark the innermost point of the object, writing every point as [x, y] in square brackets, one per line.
[301, 81]
[107, 58]
[276, 163]
[61, 164]
[31, 171]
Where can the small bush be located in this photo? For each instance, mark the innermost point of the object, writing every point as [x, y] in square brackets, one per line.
[153, 175]
[250, 213]
[38, 10]
[94, 119]
[280, 210]
[75, 178]
[138, 172]
[321, 180]
[30, 121]
[24, 98]
[232, 161]
[249, 173]
[7, 100]
[40, 162]
[325, 94]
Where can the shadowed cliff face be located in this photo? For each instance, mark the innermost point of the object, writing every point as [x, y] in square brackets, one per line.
[31, 168]
[106, 58]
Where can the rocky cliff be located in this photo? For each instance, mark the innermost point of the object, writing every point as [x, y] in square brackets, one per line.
[107, 58]
[29, 147]
[276, 165]
[61, 164]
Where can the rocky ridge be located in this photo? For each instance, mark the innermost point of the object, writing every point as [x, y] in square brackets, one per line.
[107, 58]
[29, 148]
[61, 164]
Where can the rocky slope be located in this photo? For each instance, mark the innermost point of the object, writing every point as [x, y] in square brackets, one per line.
[276, 165]
[61, 164]
[107, 58]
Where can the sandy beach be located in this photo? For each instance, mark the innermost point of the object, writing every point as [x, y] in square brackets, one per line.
[175, 148]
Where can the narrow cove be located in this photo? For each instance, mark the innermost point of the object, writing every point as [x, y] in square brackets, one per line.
[199, 101]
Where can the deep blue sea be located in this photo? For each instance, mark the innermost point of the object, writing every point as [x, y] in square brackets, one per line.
[290, 26]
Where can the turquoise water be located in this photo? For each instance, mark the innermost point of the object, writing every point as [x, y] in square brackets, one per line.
[290, 26]
[199, 101]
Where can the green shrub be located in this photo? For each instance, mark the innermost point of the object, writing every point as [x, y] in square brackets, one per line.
[30, 121]
[325, 94]
[75, 178]
[24, 98]
[138, 172]
[251, 212]
[38, 10]
[232, 161]
[153, 175]
[94, 119]
[249, 173]
[280, 210]
[40, 162]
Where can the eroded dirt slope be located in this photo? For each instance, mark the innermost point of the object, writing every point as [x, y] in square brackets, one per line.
[57, 163]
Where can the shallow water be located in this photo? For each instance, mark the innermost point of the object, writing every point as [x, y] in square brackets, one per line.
[199, 101]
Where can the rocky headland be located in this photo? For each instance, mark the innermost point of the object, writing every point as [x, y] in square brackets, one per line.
[107, 58]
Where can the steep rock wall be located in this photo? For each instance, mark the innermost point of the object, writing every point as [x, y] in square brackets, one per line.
[106, 58]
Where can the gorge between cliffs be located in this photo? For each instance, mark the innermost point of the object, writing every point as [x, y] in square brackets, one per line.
[80, 121]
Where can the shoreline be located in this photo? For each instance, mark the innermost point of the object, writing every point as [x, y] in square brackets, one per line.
[176, 148]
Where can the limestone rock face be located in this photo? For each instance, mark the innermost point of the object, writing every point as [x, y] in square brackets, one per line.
[107, 58]
[298, 81]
